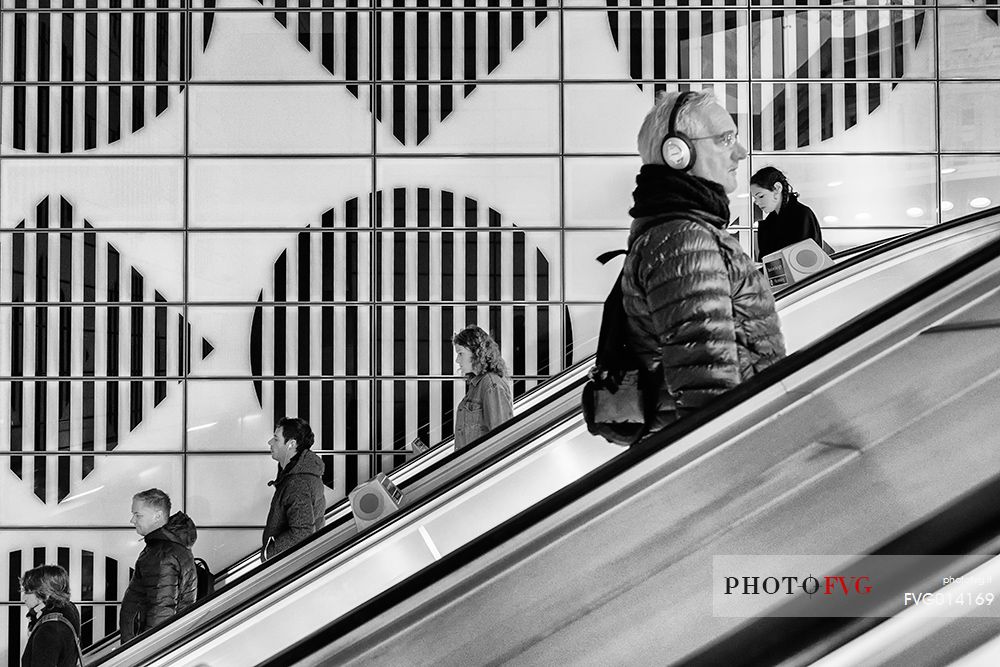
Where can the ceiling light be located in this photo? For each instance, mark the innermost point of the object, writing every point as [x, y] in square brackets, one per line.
[946, 205]
[914, 212]
[830, 218]
[833, 184]
[949, 170]
[980, 202]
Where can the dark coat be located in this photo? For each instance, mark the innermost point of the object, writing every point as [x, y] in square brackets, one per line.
[52, 643]
[793, 223]
[165, 581]
[487, 404]
[298, 508]
[698, 309]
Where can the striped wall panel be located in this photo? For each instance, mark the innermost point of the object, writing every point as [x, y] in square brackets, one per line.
[455, 43]
[126, 56]
[77, 309]
[664, 46]
[429, 271]
[92, 579]
[861, 44]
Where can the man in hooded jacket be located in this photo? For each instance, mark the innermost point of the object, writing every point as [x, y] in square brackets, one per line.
[165, 580]
[700, 316]
[298, 507]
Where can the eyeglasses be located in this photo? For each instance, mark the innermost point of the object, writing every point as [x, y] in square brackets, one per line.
[726, 139]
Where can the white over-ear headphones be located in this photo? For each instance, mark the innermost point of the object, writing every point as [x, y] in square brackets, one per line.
[677, 150]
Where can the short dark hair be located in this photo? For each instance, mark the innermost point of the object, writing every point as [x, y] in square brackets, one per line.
[156, 499]
[48, 582]
[298, 430]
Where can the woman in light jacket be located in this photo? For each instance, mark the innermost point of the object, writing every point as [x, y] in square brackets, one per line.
[487, 402]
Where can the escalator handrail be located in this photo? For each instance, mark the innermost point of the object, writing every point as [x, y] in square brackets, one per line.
[848, 258]
[338, 513]
[465, 554]
[538, 412]
[340, 506]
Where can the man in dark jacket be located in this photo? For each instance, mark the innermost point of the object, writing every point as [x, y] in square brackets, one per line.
[701, 317]
[298, 508]
[165, 580]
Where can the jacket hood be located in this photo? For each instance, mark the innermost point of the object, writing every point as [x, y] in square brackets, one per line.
[179, 528]
[303, 463]
[660, 190]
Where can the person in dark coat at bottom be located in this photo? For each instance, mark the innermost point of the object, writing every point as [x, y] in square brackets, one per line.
[165, 581]
[298, 507]
[53, 621]
[700, 316]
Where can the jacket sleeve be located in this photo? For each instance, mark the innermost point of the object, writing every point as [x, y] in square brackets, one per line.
[497, 406]
[687, 287]
[164, 595]
[300, 516]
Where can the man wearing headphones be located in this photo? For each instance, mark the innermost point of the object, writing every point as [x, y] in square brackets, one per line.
[698, 311]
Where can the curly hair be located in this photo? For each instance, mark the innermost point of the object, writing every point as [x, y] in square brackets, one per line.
[485, 351]
[48, 582]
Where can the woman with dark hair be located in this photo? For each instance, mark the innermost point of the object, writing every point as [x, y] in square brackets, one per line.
[53, 621]
[786, 220]
[487, 402]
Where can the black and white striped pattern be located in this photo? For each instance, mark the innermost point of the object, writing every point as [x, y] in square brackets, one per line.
[677, 45]
[124, 58]
[439, 256]
[56, 272]
[430, 40]
[869, 45]
[92, 579]
[672, 45]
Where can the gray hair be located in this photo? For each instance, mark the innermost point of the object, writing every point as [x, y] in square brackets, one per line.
[657, 122]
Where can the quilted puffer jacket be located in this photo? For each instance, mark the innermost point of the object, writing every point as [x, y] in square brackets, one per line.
[165, 581]
[697, 307]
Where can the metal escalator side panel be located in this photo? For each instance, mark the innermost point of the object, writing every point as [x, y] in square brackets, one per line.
[433, 605]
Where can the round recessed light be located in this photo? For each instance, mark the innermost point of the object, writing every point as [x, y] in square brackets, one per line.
[949, 170]
[946, 205]
[830, 218]
[863, 216]
[980, 202]
[833, 184]
[742, 195]
[914, 211]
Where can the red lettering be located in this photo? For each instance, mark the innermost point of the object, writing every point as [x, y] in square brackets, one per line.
[831, 584]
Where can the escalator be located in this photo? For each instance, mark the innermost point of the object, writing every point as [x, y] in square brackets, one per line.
[844, 447]
[451, 500]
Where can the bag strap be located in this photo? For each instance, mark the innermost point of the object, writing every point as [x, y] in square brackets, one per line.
[53, 616]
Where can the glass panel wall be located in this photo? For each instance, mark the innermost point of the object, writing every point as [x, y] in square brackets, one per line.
[213, 214]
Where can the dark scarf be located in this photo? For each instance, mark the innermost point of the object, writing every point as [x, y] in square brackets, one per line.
[660, 189]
